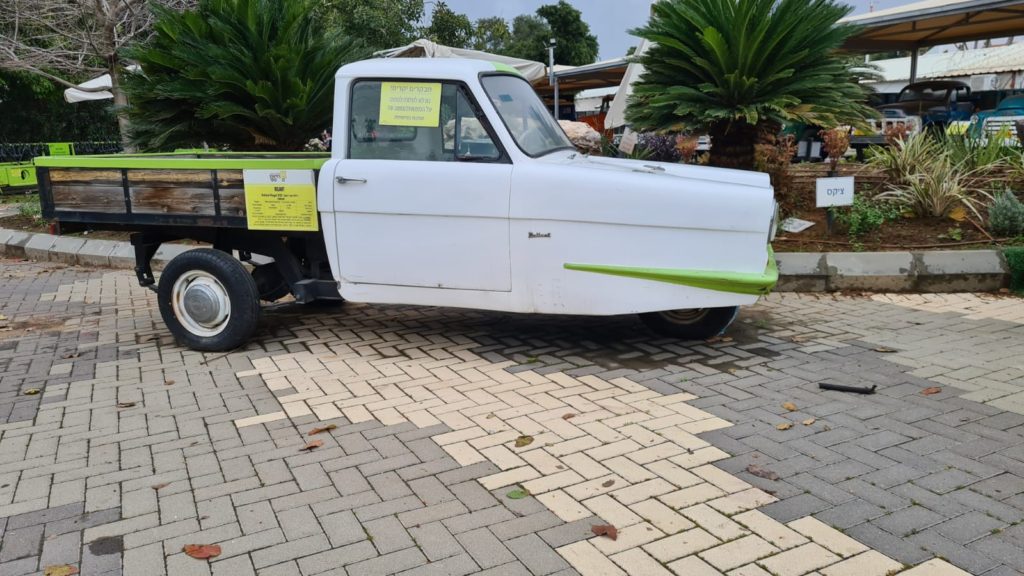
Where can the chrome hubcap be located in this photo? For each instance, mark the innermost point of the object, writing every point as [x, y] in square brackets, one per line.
[201, 303]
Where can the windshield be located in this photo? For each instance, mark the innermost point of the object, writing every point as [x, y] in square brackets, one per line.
[531, 125]
[911, 93]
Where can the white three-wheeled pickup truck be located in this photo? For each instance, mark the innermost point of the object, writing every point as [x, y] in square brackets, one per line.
[449, 184]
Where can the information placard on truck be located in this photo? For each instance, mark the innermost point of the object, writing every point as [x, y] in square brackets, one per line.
[410, 104]
[281, 200]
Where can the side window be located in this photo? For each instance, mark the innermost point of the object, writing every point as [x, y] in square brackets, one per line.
[420, 121]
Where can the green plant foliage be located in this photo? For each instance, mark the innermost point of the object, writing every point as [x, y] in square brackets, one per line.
[380, 24]
[530, 37]
[975, 153]
[934, 192]
[449, 28]
[905, 159]
[247, 74]
[865, 216]
[732, 66]
[1015, 261]
[32, 109]
[491, 35]
[1006, 215]
[576, 45]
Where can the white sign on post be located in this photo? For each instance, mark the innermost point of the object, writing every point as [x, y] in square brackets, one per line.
[628, 142]
[834, 192]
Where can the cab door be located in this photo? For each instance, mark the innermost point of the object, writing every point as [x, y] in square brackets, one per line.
[422, 198]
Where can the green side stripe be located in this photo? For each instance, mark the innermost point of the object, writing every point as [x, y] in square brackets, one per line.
[757, 284]
[191, 161]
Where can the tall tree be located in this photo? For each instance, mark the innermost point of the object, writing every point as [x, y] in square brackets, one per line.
[449, 28]
[380, 24]
[530, 38]
[68, 41]
[739, 68]
[492, 35]
[249, 74]
[576, 45]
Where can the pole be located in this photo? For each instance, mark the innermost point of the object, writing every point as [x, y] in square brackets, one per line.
[552, 80]
[913, 64]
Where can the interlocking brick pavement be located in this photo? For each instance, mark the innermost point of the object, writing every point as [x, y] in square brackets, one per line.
[650, 435]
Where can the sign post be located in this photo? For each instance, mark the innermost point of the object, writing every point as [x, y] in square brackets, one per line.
[833, 192]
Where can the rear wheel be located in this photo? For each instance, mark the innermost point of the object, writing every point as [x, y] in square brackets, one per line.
[208, 300]
[691, 324]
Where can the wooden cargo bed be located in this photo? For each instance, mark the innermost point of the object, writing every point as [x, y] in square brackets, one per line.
[132, 191]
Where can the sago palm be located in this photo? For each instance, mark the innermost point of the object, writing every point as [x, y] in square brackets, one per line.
[735, 68]
[247, 74]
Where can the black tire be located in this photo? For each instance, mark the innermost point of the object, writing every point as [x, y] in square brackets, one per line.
[695, 324]
[214, 278]
[270, 283]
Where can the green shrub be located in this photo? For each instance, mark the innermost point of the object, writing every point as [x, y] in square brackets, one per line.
[30, 207]
[246, 74]
[866, 215]
[1006, 215]
[1015, 260]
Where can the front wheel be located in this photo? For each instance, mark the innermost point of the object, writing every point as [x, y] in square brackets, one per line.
[208, 300]
[691, 324]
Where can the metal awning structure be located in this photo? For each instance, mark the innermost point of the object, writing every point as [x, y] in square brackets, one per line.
[579, 78]
[935, 22]
[566, 82]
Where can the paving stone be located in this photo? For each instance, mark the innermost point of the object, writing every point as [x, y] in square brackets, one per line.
[897, 459]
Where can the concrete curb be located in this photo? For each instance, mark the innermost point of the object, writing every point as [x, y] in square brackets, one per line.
[948, 271]
[939, 271]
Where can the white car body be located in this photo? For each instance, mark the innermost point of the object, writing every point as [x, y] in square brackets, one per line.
[560, 233]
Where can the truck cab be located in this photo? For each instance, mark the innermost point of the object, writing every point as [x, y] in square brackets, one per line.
[483, 202]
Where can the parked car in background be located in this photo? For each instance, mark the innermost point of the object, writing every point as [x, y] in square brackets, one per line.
[1000, 122]
[936, 102]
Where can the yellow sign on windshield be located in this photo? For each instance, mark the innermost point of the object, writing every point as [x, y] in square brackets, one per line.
[410, 104]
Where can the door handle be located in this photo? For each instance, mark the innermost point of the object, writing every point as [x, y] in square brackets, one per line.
[343, 180]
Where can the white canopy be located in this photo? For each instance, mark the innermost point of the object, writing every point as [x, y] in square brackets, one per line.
[617, 111]
[72, 95]
[426, 49]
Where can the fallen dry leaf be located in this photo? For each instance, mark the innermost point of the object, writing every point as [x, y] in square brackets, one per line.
[60, 570]
[931, 390]
[201, 551]
[70, 355]
[491, 415]
[762, 472]
[125, 404]
[161, 486]
[168, 382]
[32, 391]
[312, 446]
[608, 483]
[809, 421]
[524, 441]
[785, 426]
[884, 350]
[789, 406]
[323, 429]
[606, 530]
[568, 416]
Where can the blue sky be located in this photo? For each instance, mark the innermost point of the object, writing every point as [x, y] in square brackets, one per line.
[609, 19]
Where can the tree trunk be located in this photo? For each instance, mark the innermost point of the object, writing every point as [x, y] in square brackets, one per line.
[732, 145]
[120, 104]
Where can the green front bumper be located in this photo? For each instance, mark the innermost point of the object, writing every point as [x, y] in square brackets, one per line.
[756, 284]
